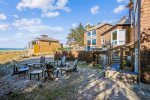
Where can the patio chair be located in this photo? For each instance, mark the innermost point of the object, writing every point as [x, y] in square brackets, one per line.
[50, 71]
[70, 69]
[19, 68]
[63, 61]
[42, 61]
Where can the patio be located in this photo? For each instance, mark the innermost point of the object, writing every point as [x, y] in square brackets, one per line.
[88, 83]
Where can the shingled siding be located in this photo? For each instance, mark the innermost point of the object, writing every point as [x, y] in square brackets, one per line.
[145, 40]
[145, 24]
[99, 32]
[45, 47]
[107, 36]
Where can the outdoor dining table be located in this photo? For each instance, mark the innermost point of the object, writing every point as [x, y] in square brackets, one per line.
[23, 70]
[36, 72]
[56, 62]
[35, 65]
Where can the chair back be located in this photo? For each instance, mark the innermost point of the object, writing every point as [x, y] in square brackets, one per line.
[15, 63]
[75, 63]
[49, 66]
[42, 60]
[63, 60]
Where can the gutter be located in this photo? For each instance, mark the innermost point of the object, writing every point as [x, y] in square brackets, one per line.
[139, 31]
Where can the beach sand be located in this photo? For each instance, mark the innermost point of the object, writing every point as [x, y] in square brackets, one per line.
[7, 56]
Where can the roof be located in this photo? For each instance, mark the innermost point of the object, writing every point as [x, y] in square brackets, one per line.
[46, 38]
[98, 26]
[123, 22]
[130, 3]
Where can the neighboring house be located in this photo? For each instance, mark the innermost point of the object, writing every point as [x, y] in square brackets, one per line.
[92, 36]
[43, 45]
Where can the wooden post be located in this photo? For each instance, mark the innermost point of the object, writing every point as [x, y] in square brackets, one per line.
[121, 58]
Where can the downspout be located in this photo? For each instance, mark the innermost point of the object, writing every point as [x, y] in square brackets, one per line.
[139, 31]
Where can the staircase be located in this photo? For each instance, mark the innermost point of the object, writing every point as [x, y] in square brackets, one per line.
[116, 59]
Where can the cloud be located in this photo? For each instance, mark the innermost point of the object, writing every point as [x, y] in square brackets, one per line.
[95, 10]
[50, 14]
[49, 8]
[27, 22]
[119, 1]
[39, 4]
[16, 16]
[43, 29]
[119, 9]
[3, 17]
[4, 27]
[34, 25]
[61, 4]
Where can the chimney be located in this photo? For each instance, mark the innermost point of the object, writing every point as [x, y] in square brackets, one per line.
[44, 36]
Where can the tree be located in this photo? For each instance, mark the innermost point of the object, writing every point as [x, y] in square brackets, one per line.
[76, 35]
[88, 26]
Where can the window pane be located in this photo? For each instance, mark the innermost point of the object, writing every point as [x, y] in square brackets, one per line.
[114, 35]
[89, 34]
[94, 33]
[89, 42]
[94, 42]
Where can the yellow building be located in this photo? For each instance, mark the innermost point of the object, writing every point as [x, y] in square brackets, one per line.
[43, 45]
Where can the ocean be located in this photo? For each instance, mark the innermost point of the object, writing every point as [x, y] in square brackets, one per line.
[5, 49]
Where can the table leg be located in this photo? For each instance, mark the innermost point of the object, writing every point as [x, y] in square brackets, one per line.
[42, 74]
[24, 74]
[38, 77]
[61, 71]
[19, 74]
[30, 76]
[57, 73]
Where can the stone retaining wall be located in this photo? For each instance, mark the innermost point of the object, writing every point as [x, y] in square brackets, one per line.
[125, 77]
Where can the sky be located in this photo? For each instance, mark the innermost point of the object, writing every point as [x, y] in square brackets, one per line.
[23, 20]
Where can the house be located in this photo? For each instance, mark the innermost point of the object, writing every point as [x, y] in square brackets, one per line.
[92, 36]
[140, 17]
[43, 45]
[118, 34]
[114, 38]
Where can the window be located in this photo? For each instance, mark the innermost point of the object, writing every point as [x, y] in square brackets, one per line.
[93, 41]
[37, 43]
[103, 40]
[114, 35]
[132, 19]
[89, 42]
[88, 34]
[93, 32]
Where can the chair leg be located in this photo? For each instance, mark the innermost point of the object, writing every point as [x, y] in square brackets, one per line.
[57, 73]
[19, 74]
[30, 76]
[42, 74]
[24, 74]
[38, 77]
[61, 71]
